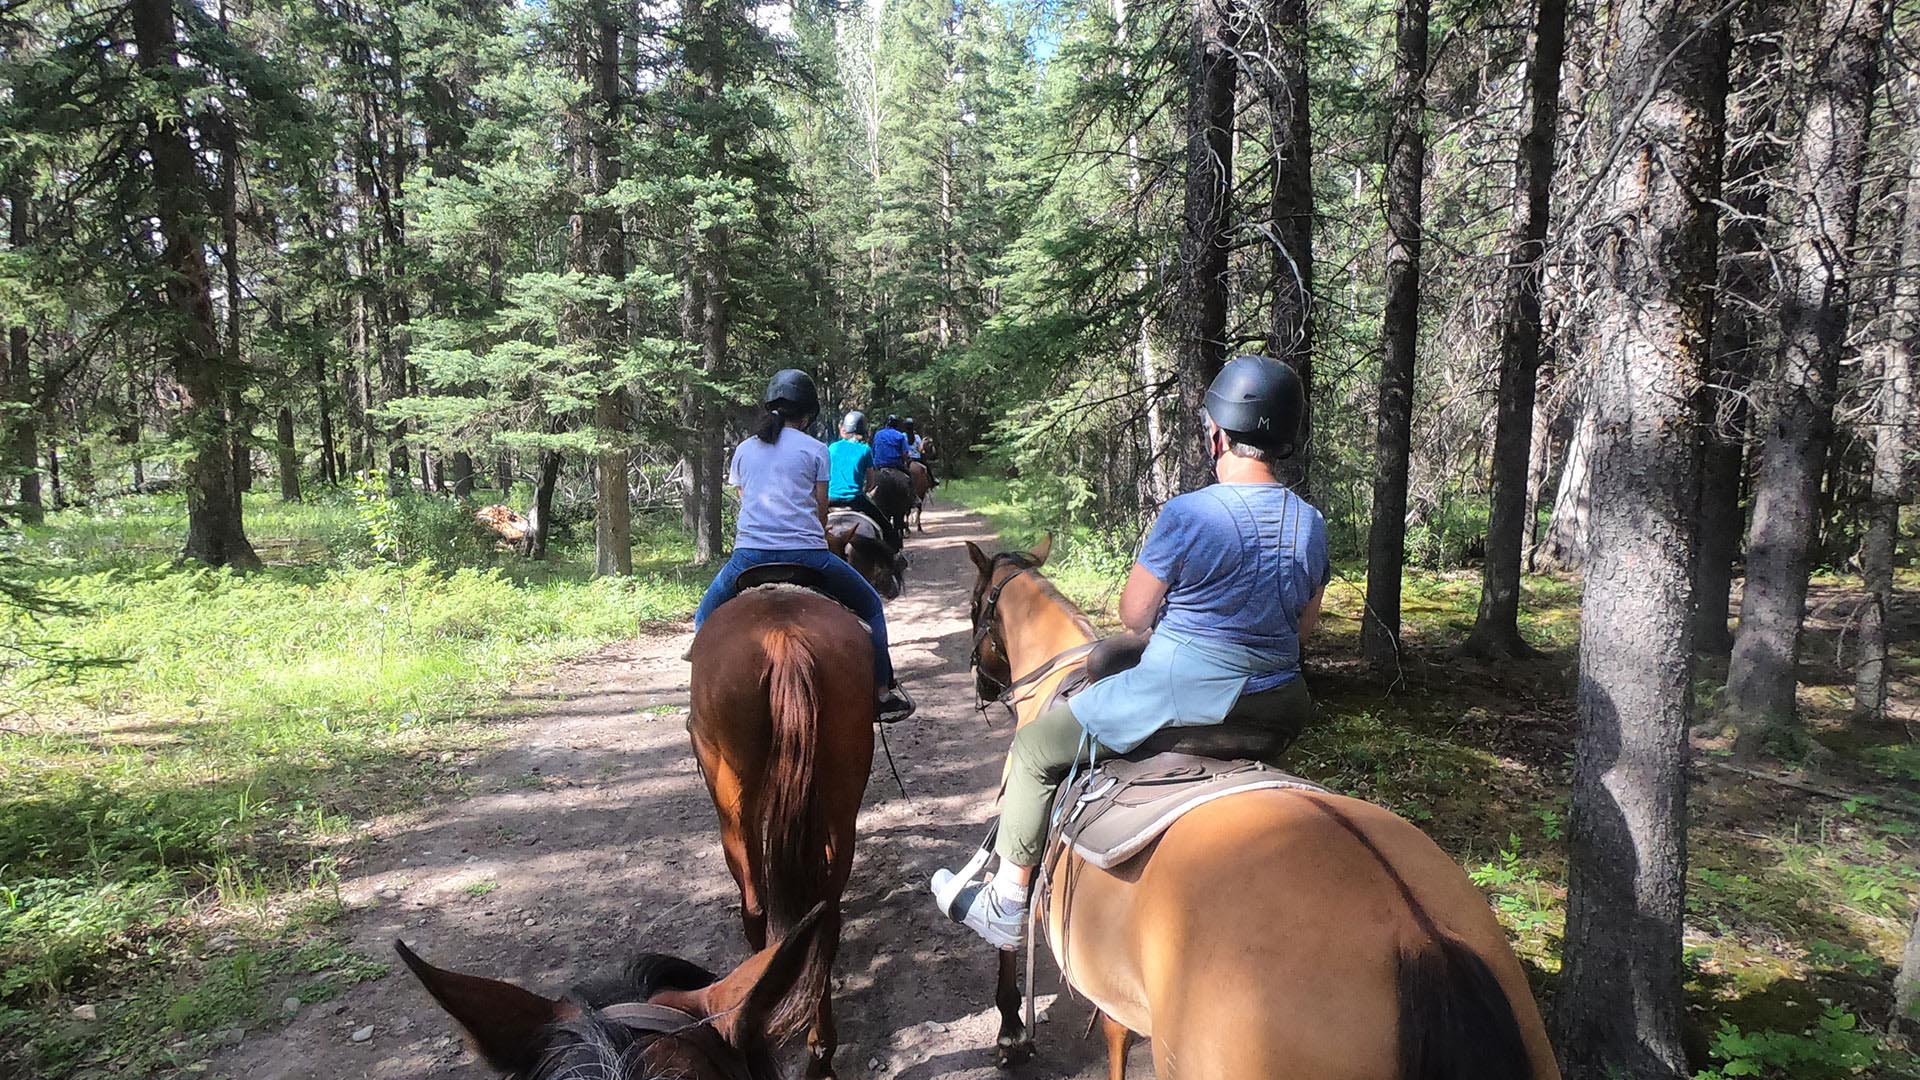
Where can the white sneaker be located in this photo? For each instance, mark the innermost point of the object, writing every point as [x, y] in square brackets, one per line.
[983, 911]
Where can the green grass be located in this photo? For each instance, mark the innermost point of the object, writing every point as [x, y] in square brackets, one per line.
[207, 782]
[1797, 908]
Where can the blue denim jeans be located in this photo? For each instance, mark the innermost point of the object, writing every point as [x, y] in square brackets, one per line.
[842, 581]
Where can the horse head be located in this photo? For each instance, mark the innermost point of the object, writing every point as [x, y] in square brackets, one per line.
[884, 568]
[992, 667]
[661, 1017]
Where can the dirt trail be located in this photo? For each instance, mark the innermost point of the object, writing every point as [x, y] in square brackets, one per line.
[590, 838]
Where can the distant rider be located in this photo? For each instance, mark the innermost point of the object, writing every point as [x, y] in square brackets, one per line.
[917, 450]
[1233, 574]
[849, 459]
[782, 476]
[890, 446]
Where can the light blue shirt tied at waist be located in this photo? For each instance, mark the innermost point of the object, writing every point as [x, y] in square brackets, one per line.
[1181, 681]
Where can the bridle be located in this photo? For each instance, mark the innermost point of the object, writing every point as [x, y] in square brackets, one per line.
[698, 1035]
[986, 620]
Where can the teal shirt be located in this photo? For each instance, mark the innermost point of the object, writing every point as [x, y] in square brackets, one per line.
[848, 461]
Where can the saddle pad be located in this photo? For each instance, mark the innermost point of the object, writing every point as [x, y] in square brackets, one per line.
[1120, 807]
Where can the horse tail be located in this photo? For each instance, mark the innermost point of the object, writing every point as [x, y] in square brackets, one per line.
[1455, 1020]
[793, 823]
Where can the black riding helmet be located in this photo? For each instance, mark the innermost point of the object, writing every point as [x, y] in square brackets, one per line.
[855, 422]
[793, 387]
[1259, 401]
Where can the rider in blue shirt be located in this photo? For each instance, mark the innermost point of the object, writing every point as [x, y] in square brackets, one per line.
[1230, 582]
[890, 446]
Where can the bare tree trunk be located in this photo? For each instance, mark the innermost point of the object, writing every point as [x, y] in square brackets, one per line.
[1621, 1005]
[462, 469]
[1399, 336]
[1828, 160]
[22, 446]
[1892, 442]
[540, 514]
[1539, 452]
[1906, 984]
[329, 469]
[503, 474]
[1746, 285]
[1496, 628]
[1204, 240]
[288, 455]
[601, 250]
[1569, 525]
[215, 534]
[1291, 209]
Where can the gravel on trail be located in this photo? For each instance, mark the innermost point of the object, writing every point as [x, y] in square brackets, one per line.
[590, 838]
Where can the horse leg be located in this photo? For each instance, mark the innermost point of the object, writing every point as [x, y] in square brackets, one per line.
[1119, 1038]
[753, 908]
[824, 1038]
[1015, 1044]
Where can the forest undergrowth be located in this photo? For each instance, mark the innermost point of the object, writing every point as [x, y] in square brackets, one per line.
[172, 822]
[1798, 903]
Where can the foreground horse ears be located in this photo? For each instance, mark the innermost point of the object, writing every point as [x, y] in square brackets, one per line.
[1043, 549]
[743, 1006]
[505, 1021]
[980, 559]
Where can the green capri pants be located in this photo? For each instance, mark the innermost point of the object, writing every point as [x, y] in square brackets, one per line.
[1044, 751]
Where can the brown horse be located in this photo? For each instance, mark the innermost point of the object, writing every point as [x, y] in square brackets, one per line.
[922, 484]
[857, 538]
[782, 726]
[661, 1018]
[1273, 933]
[892, 493]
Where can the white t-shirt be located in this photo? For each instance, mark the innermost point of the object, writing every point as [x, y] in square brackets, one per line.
[777, 509]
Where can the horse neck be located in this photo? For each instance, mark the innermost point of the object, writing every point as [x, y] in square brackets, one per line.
[1039, 623]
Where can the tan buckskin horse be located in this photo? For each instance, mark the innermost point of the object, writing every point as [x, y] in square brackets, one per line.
[1273, 933]
[782, 726]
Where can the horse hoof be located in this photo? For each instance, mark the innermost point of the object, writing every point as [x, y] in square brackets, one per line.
[1012, 1052]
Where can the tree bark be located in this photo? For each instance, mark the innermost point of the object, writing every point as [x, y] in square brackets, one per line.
[288, 455]
[1815, 266]
[462, 470]
[1569, 526]
[1204, 240]
[1892, 442]
[1746, 285]
[600, 249]
[1290, 204]
[708, 65]
[1496, 628]
[329, 470]
[22, 446]
[1906, 984]
[1399, 336]
[214, 531]
[1621, 1006]
[540, 515]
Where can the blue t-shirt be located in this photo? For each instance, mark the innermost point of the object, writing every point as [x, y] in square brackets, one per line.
[1240, 561]
[849, 459]
[889, 448]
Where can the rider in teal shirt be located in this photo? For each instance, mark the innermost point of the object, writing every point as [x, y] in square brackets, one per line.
[848, 461]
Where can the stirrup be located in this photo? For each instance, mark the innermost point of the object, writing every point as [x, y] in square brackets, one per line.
[970, 874]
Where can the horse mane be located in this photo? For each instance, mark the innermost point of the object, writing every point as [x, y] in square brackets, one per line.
[1025, 561]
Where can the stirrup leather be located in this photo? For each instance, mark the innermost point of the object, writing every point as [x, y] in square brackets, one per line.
[949, 898]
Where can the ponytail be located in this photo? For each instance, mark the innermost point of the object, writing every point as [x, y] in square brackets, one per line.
[769, 431]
